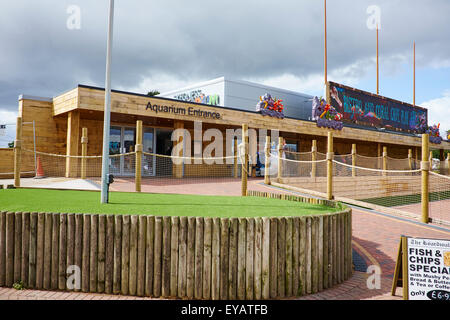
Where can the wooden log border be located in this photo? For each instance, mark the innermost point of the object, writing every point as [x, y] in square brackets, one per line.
[179, 257]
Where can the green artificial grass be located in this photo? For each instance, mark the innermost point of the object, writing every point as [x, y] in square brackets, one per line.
[67, 201]
[396, 201]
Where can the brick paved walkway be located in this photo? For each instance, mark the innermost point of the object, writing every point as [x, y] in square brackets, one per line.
[205, 186]
[353, 289]
[375, 239]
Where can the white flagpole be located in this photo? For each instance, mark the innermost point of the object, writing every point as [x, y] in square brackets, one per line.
[107, 110]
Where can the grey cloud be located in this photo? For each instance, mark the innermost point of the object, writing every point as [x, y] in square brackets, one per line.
[203, 39]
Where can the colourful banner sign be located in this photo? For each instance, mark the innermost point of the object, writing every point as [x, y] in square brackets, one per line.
[367, 109]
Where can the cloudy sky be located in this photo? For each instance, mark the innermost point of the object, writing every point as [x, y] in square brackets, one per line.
[168, 44]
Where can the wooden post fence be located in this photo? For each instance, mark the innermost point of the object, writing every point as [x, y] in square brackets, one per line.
[330, 156]
[313, 159]
[201, 258]
[384, 160]
[267, 162]
[17, 152]
[425, 167]
[138, 148]
[244, 160]
[84, 143]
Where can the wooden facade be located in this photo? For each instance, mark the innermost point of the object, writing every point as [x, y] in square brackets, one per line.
[59, 122]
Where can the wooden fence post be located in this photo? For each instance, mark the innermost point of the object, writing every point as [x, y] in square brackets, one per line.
[233, 259]
[207, 238]
[2, 248]
[182, 256]
[235, 154]
[133, 254]
[425, 167]
[17, 152]
[215, 259]
[249, 259]
[448, 163]
[190, 258]
[174, 247]
[84, 142]
[149, 254]
[265, 264]
[242, 231]
[314, 158]
[165, 273]
[33, 250]
[157, 257]
[138, 148]
[93, 254]
[178, 146]
[224, 258]
[48, 252]
[25, 250]
[244, 174]
[9, 247]
[384, 160]
[257, 264]
[125, 274]
[410, 159]
[40, 251]
[267, 161]
[62, 255]
[330, 156]
[117, 271]
[198, 258]
[280, 162]
[353, 160]
[142, 240]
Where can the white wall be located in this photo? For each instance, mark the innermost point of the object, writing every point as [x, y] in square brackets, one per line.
[209, 89]
[245, 95]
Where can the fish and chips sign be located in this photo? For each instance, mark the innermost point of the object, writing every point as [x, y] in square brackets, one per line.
[423, 269]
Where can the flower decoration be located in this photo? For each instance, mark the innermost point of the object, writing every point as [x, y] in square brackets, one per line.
[270, 106]
[326, 115]
[435, 136]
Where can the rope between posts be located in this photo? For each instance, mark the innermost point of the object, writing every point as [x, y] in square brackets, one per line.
[297, 161]
[375, 158]
[12, 173]
[394, 159]
[439, 175]
[377, 170]
[77, 157]
[299, 153]
[187, 158]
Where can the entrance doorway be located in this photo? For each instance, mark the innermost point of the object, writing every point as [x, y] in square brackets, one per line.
[123, 140]
[164, 145]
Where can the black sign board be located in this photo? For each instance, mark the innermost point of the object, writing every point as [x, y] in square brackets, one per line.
[367, 109]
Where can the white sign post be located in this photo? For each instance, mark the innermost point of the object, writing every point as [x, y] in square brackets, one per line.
[428, 269]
